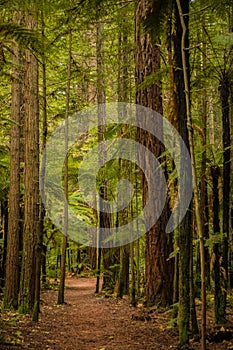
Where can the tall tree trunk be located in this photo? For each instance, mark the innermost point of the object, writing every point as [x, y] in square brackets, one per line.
[105, 218]
[193, 314]
[133, 301]
[5, 217]
[39, 244]
[159, 270]
[123, 282]
[204, 193]
[224, 87]
[61, 290]
[12, 262]
[101, 130]
[219, 310]
[183, 8]
[174, 106]
[31, 179]
[184, 239]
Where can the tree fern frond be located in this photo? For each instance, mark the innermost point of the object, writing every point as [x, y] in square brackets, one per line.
[28, 38]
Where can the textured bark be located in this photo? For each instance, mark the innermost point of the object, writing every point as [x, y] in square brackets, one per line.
[40, 248]
[173, 116]
[159, 271]
[193, 314]
[12, 263]
[31, 180]
[183, 9]
[204, 193]
[184, 239]
[61, 292]
[4, 221]
[123, 283]
[101, 130]
[133, 300]
[224, 88]
[123, 216]
[219, 309]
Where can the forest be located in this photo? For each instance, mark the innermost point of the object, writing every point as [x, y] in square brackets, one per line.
[116, 192]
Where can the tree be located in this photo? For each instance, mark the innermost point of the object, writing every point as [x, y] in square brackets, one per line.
[184, 231]
[31, 178]
[101, 129]
[219, 312]
[123, 216]
[12, 261]
[184, 25]
[65, 236]
[224, 88]
[159, 271]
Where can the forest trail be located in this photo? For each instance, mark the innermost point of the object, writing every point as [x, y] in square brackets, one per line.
[90, 322]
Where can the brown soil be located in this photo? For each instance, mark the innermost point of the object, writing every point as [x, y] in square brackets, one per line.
[92, 322]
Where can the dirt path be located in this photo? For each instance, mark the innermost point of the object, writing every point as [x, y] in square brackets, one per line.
[92, 322]
[89, 322]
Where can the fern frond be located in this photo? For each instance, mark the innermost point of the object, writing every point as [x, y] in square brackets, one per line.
[28, 38]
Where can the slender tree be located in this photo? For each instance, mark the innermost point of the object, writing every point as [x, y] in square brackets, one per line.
[219, 311]
[39, 243]
[44, 139]
[65, 234]
[184, 231]
[123, 216]
[193, 161]
[224, 88]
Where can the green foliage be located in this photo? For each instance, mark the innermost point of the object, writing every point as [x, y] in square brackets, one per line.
[210, 53]
[4, 172]
[216, 238]
[27, 38]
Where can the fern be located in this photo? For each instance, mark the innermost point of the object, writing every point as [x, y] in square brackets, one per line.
[27, 38]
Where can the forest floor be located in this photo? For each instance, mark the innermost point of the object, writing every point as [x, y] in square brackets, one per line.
[90, 321]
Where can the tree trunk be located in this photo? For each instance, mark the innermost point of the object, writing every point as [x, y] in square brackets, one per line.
[219, 310]
[183, 8]
[61, 292]
[178, 116]
[133, 301]
[123, 283]
[123, 278]
[173, 116]
[12, 262]
[224, 87]
[193, 314]
[101, 130]
[5, 217]
[31, 180]
[105, 218]
[159, 270]
[204, 193]
[184, 239]
[39, 243]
